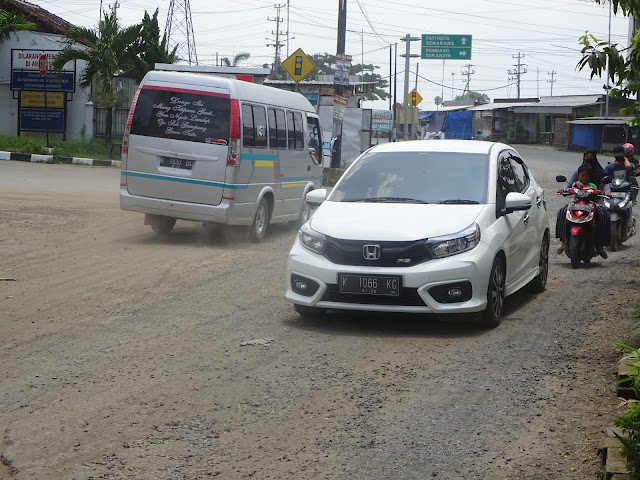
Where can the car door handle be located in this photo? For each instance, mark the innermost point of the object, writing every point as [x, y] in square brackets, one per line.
[538, 201]
[526, 218]
[308, 168]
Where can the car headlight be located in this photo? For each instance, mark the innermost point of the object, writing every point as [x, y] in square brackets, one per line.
[311, 239]
[456, 243]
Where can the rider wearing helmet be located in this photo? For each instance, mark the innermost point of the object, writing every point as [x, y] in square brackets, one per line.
[628, 152]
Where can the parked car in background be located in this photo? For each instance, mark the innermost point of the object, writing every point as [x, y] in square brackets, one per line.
[443, 227]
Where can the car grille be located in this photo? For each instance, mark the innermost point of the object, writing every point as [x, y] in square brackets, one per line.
[408, 297]
[392, 254]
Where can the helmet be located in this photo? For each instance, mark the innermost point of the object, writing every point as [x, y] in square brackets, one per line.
[628, 149]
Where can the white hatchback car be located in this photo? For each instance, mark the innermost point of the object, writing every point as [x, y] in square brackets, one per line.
[451, 226]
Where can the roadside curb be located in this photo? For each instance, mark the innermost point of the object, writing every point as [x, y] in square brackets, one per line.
[32, 157]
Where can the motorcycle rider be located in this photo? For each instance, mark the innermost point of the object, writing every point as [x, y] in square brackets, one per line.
[621, 163]
[602, 218]
[628, 152]
[590, 157]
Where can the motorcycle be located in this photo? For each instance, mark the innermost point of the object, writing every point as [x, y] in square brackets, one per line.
[620, 204]
[579, 223]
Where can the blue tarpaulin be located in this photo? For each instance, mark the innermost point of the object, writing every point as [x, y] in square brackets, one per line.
[587, 136]
[458, 125]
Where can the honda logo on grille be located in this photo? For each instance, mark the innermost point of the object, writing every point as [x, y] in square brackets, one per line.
[371, 252]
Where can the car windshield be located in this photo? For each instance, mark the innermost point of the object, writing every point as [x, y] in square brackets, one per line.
[416, 177]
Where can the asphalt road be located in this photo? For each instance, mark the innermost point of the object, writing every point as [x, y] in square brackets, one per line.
[123, 355]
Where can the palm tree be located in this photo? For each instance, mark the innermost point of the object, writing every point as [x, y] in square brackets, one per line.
[12, 22]
[241, 57]
[109, 52]
[152, 49]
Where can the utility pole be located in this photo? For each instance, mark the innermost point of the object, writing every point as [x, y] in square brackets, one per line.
[288, 1]
[552, 81]
[277, 44]
[407, 39]
[390, 65]
[114, 8]
[336, 154]
[395, 92]
[519, 71]
[452, 79]
[468, 74]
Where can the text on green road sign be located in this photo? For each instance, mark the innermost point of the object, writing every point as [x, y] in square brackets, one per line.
[455, 47]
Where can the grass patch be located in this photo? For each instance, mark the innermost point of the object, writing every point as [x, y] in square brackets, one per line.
[90, 148]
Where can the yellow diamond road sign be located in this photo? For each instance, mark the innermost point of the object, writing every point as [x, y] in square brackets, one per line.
[298, 65]
[414, 98]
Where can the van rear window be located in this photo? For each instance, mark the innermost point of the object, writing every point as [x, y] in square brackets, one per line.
[189, 116]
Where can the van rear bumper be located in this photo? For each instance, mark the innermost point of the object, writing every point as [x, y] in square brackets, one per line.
[236, 214]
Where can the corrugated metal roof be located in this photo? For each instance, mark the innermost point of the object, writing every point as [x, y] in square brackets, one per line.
[558, 104]
[602, 121]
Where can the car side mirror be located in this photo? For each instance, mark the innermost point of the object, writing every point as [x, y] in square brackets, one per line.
[561, 178]
[516, 202]
[316, 197]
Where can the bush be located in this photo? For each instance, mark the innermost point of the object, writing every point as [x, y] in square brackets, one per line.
[630, 423]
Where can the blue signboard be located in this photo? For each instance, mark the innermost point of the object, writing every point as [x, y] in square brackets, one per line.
[34, 119]
[32, 80]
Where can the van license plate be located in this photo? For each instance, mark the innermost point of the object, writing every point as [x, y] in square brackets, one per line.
[370, 284]
[176, 163]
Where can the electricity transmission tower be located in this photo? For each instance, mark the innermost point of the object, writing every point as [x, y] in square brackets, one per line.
[179, 31]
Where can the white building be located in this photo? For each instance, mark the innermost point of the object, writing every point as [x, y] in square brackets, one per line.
[22, 87]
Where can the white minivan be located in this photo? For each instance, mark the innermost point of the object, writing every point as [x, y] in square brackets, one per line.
[219, 151]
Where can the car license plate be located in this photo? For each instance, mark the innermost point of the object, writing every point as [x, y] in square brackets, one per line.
[176, 163]
[370, 284]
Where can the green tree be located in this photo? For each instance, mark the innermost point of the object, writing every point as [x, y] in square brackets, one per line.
[474, 97]
[110, 52]
[151, 49]
[624, 63]
[12, 22]
[241, 57]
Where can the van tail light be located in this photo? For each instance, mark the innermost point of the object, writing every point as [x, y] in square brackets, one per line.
[234, 135]
[127, 129]
[232, 157]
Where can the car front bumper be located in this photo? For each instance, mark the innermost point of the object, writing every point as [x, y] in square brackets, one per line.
[472, 266]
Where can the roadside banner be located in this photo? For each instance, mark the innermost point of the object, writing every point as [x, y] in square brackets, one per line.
[339, 105]
[343, 68]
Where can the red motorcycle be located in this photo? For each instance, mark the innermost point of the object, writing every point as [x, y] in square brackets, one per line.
[579, 223]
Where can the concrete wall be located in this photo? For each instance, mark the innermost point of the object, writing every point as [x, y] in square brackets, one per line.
[79, 114]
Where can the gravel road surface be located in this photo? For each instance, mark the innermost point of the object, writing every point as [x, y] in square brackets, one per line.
[127, 356]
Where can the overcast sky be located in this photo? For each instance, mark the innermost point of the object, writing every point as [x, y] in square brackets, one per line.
[544, 32]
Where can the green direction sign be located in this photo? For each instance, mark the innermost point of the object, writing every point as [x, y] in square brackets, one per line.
[446, 47]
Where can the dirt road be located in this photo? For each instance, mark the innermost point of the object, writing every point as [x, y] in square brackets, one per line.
[125, 356]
